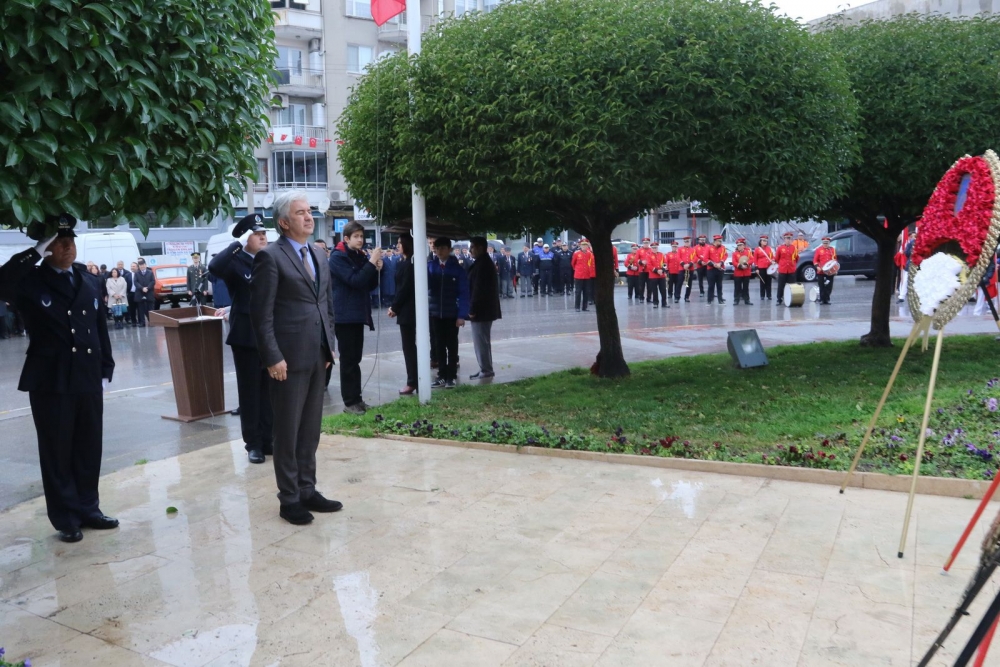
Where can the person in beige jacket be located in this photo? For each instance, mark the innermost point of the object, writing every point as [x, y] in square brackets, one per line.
[117, 296]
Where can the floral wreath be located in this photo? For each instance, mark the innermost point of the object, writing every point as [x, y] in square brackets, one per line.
[958, 238]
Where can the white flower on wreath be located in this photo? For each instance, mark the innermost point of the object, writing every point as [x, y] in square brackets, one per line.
[936, 280]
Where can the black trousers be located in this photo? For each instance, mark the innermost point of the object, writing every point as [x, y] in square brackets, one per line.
[687, 282]
[557, 284]
[298, 416]
[630, 281]
[784, 279]
[408, 333]
[446, 341]
[142, 311]
[545, 279]
[351, 344]
[765, 283]
[256, 415]
[702, 276]
[70, 429]
[674, 286]
[130, 313]
[582, 293]
[640, 286]
[825, 287]
[657, 288]
[741, 289]
[714, 284]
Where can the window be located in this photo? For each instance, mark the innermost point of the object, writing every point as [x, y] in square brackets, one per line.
[289, 61]
[359, 8]
[293, 116]
[464, 6]
[842, 245]
[263, 180]
[299, 169]
[490, 5]
[358, 58]
[865, 245]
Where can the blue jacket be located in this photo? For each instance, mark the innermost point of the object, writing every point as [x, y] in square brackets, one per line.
[353, 277]
[545, 259]
[447, 290]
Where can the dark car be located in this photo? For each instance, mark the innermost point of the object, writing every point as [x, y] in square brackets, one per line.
[857, 254]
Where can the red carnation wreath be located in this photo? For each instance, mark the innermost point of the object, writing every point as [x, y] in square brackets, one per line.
[969, 226]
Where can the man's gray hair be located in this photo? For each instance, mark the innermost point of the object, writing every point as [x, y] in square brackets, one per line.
[282, 205]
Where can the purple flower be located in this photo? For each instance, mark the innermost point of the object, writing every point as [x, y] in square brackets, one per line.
[988, 474]
[930, 433]
[1, 651]
[27, 662]
[940, 411]
[971, 447]
[895, 438]
[991, 405]
[970, 392]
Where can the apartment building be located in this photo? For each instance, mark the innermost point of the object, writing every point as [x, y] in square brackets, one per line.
[882, 9]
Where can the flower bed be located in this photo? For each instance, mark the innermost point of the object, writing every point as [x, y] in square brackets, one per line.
[3, 662]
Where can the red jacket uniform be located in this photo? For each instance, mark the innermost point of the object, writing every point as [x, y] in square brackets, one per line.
[614, 258]
[643, 255]
[787, 257]
[737, 271]
[632, 264]
[701, 252]
[673, 260]
[688, 256]
[718, 256]
[583, 265]
[654, 262]
[763, 256]
[822, 256]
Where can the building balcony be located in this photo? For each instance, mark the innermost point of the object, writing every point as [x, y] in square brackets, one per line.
[395, 29]
[306, 83]
[295, 24]
[299, 136]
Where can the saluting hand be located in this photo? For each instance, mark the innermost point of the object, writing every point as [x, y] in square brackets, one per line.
[391, 313]
[460, 322]
[279, 371]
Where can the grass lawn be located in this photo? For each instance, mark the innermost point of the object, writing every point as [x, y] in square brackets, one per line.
[809, 407]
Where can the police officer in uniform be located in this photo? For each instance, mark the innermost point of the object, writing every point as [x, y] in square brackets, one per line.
[67, 367]
[197, 280]
[233, 265]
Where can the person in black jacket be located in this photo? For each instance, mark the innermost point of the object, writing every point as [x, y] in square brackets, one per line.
[234, 266]
[66, 369]
[404, 310]
[144, 283]
[448, 307]
[525, 269]
[354, 275]
[484, 307]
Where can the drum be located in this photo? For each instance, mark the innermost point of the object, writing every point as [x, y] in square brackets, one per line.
[814, 294]
[831, 267]
[773, 269]
[795, 295]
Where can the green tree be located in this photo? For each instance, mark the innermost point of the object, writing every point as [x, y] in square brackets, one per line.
[926, 92]
[582, 114]
[130, 107]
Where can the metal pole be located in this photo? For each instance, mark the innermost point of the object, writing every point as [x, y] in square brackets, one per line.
[413, 20]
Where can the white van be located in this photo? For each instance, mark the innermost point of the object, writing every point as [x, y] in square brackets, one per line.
[106, 248]
[219, 242]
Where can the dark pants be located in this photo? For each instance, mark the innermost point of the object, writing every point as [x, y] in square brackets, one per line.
[582, 293]
[567, 280]
[640, 286]
[765, 283]
[446, 341]
[674, 286]
[256, 416]
[784, 279]
[545, 280]
[142, 311]
[351, 344]
[630, 281]
[408, 333]
[557, 284]
[298, 412]
[741, 289]
[130, 313]
[70, 433]
[534, 281]
[714, 284]
[657, 288]
[687, 279]
[702, 277]
[825, 287]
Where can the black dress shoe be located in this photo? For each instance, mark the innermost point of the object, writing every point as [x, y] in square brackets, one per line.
[70, 535]
[317, 503]
[255, 456]
[235, 413]
[295, 513]
[99, 522]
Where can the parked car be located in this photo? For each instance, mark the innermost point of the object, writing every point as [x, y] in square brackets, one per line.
[171, 284]
[623, 248]
[857, 254]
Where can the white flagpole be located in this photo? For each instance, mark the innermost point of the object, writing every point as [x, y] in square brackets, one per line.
[413, 20]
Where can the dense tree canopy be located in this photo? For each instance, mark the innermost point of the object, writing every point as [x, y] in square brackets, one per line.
[584, 113]
[927, 95]
[129, 107]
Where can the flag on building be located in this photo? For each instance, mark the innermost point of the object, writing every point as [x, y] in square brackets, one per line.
[383, 10]
[312, 142]
[298, 140]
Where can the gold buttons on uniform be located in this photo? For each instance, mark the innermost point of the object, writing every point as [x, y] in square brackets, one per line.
[72, 330]
[74, 349]
[88, 350]
[69, 312]
[84, 312]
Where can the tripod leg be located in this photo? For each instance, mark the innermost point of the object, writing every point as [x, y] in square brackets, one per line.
[980, 578]
[923, 438]
[980, 634]
[972, 522]
[881, 404]
[984, 647]
[993, 309]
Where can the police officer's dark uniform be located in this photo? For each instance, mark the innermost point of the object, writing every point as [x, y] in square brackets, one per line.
[68, 357]
[197, 280]
[233, 265]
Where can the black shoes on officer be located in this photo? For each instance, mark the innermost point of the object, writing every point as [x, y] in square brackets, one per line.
[255, 455]
[99, 522]
[317, 503]
[70, 535]
[295, 513]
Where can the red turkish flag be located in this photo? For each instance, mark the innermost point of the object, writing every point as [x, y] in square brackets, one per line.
[298, 141]
[284, 136]
[312, 142]
[383, 10]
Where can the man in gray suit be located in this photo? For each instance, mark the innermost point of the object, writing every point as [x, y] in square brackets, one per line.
[293, 323]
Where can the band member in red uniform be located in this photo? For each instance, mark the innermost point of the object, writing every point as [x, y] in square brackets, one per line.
[640, 279]
[632, 270]
[716, 265]
[656, 276]
[701, 253]
[787, 258]
[583, 272]
[824, 254]
[674, 272]
[763, 257]
[689, 264]
[743, 268]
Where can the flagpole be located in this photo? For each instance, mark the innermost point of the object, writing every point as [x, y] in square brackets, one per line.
[419, 242]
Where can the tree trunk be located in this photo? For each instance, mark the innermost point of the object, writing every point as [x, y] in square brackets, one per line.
[885, 285]
[611, 358]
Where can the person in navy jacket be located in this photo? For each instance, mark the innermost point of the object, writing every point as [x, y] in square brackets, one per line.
[448, 296]
[67, 367]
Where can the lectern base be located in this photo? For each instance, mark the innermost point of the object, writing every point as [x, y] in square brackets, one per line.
[188, 420]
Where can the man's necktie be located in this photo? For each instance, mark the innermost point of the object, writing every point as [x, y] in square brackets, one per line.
[305, 261]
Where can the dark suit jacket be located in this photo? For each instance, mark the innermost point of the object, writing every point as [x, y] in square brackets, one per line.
[484, 295]
[70, 351]
[403, 305]
[140, 281]
[292, 319]
[234, 267]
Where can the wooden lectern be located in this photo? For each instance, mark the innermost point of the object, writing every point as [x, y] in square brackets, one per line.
[194, 345]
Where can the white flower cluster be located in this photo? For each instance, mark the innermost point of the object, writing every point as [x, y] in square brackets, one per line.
[937, 279]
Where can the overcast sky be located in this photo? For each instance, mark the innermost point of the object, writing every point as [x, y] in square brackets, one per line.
[808, 10]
